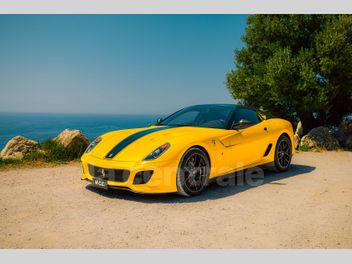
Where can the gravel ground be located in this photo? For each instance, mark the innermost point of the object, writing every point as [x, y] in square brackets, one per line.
[309, 206]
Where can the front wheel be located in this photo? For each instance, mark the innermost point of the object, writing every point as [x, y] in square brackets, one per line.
[283, 153]
[193, 172]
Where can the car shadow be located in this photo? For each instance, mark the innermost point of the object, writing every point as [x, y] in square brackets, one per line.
[231, 185]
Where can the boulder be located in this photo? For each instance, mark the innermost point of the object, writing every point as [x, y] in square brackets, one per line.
[297, 140]
[346, 127]
[345, 134]
[19, 146]
[70, 139]
[320, 138]
[299, 130]
[298, 134]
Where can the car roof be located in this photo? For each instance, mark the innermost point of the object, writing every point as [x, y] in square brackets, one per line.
[234, 106]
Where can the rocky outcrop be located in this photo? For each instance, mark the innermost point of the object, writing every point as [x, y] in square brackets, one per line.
[297, 141]
[319, 138]
[345, 134]
[70, 139]
[299, 129]
[298, 134]
[19, 146]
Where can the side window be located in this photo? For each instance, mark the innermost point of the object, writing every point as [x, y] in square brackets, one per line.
[249, 117]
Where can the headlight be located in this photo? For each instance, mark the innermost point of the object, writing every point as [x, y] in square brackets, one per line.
[157, 153]
[93, 144]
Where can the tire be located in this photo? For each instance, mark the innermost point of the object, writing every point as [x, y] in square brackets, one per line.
[283, 153]
[193, 172]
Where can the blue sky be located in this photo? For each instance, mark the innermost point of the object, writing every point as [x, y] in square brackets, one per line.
[134, 64]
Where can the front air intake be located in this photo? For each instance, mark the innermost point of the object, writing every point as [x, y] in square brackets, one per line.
[116, 175]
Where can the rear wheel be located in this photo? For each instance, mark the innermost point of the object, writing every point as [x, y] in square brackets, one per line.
[193, 172]
[283, 153]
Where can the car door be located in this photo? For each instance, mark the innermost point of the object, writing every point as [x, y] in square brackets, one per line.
[249, 144]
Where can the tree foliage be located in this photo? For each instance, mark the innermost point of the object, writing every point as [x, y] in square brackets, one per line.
[296, 65]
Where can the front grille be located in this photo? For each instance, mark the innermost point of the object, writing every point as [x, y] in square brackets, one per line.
[109, 174]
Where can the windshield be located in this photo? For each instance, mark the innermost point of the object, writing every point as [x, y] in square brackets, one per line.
[212, 116]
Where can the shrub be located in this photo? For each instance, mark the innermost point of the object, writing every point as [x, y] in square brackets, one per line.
[303, 148]
[34, 156]
[76, 150]
[53, 151]
[4, 162]
[50, 151]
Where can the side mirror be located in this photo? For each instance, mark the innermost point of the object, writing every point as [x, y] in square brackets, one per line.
[158, 121]
[243, 123]
[262, 117]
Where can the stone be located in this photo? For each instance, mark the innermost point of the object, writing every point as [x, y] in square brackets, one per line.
[299, 130]
[71, 138]
[345, 134]
[298, 134]
[297, 140]
[319, 138]
[19, 146]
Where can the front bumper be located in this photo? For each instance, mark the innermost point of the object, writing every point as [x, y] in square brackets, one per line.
[163, 179]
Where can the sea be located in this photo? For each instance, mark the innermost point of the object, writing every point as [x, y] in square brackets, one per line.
[42, 126]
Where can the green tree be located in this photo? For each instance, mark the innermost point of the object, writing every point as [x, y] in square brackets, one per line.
[296, 65]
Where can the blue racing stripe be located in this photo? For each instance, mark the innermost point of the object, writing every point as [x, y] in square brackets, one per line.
[130, 139]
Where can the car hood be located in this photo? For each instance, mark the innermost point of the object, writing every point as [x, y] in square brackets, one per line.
[136, 144]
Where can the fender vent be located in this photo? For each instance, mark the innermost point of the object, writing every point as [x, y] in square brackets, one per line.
[268, 150]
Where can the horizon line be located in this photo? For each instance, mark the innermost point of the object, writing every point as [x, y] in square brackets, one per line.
[79, 113]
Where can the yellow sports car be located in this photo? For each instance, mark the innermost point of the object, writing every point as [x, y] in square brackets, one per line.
[185, 150]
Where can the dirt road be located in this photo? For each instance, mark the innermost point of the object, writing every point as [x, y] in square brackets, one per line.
[309, 206]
